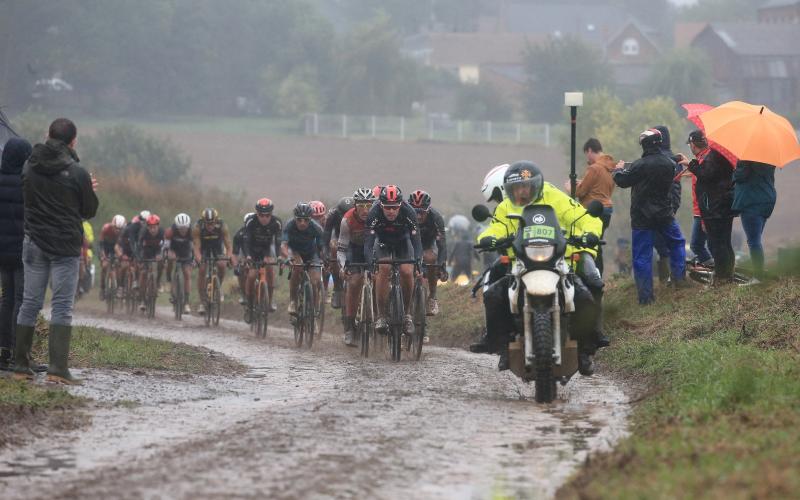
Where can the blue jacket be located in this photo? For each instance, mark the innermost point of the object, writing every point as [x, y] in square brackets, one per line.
[754, 188]
[12, 229]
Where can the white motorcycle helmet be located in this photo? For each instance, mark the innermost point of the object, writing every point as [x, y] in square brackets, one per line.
[493, 184]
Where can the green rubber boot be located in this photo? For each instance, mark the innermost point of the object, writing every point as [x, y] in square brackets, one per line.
[58, 371]
[22, 352]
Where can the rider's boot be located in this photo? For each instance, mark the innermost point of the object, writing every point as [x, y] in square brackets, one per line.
[585, 363]
[408, 324]
[349, 331]
[600, 338]
[503, 364]
[22, 352]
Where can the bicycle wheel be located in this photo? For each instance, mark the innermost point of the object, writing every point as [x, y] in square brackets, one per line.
[395, 322]
[263, 310]
[702, 276]
[130, 295]
[419, 305]
[309, 313]
[367, 323]
[111, 291]
[320, 316]
[150, 296]
[177, 292]
[208, 299]
[216, 300]
[299, 320]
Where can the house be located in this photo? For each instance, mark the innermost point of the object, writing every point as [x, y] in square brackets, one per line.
[631, 52]
[780, 11]
[754, 62]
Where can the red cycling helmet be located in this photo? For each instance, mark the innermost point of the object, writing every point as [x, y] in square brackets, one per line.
[318, 207]
[153, 220]
[264, 206]
[419, 199]
[391, 194]
[376, 191]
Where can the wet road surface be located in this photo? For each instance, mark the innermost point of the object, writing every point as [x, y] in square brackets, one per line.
[316, 424]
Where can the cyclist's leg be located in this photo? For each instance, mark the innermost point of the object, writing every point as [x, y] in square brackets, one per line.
[382, 254]
[294, 282]
[429, 257]
[201, 279]
[270, 275]
[250, 280]
[406, 251]
[187, 281]
[159, 272]
[316, 281]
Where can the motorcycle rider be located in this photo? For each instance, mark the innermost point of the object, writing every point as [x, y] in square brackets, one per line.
[524, 185]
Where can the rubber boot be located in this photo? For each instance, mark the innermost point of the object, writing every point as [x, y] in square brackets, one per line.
[585, 364]
[58, 371]
[22, 352]
[663, 270]
[504, 363]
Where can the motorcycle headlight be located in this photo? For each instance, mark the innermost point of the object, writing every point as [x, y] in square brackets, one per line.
[540, 253]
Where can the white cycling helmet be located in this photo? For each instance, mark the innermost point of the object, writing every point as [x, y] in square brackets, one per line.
[248, 216]
[493, 184]
[182, 221]
[143, 215]
[118, 221]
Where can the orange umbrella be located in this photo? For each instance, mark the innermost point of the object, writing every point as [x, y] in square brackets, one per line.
[693, 115]
[752, 133]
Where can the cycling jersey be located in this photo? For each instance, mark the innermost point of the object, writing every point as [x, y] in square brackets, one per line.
[394, 235]
[352, 235]
[238, 242]
[308, 243]
[332, 224]
[181, 245]
[109, 236]
[214, 240]
[149, 245]
[129, 238]
[432, 231]
[261, 240]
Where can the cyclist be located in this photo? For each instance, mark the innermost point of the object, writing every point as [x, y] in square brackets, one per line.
[148, 247]
[109, 235]
[126, 244]
[350, 249]
[393, 234]
[262, 236]
[434, 244]
[524, 185]
[211, 239]
[320, 212]
[331, 234]
[178, 246]
[85, 262]
[320, 216]
[238, 251]
[302, 242]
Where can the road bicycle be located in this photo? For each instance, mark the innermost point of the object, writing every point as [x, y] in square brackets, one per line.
[365, 314]
[307, 310]
[396, 334]
[257, 308]
[111, 284]
[213, 295]
[178, 292]
[149, 287]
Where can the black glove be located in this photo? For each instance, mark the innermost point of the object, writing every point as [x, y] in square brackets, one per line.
[488, 242]
[590, 240]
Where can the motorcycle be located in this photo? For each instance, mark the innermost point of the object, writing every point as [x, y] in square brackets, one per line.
[542, 294]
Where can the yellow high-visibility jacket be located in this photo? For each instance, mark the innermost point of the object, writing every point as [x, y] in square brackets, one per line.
[567, 210]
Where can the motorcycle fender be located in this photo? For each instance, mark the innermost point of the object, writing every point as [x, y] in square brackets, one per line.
[541, 282]
[569, 294]
[513, 294]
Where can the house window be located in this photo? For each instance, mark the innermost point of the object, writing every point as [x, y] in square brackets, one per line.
[630, 47]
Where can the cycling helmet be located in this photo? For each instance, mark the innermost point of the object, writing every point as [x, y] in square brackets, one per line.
[420, 200]
[182, 221]
[144, 214]
[523, 173]
[153, 220]
[392, 195]
[650, 138]
[303, 211]
[264, 206]
[376, 191]
[118, 221]
[319, 208]
[493, 184]
[363, 195]
[210, 215]
[248, 216]
[345, 204]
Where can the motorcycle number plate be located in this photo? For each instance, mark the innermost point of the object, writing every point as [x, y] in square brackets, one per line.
[535, 232]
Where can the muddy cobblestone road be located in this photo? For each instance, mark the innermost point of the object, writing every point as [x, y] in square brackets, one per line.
[316, 424]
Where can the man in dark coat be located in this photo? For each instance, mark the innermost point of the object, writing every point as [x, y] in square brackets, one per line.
[15, 153]
[651, 180]
[715, 196]
[59, 195]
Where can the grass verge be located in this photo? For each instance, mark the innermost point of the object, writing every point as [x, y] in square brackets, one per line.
[721, 416]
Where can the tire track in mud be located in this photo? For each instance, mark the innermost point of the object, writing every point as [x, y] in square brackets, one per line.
[317, 424]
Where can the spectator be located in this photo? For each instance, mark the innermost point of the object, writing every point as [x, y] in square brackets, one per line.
[59, 194]
[597, 184]
[650, 178]
[675, 202]
[754, 199]
[460, 259]
[699, 241]
[15, 152]
[715, 196]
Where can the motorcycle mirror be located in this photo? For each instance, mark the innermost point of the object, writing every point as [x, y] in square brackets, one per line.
[481, 213]
[595, 208]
